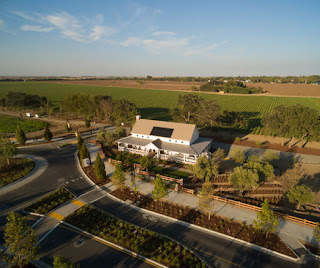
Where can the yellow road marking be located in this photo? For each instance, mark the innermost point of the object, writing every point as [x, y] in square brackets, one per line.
[77, 202]
[109, 245]
[56, 216]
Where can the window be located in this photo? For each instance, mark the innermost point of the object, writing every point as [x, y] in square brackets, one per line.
[182, 142]
[176, 141]
[142, 136]
[169, 140]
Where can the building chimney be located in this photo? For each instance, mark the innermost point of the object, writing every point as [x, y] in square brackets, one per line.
[138, 117]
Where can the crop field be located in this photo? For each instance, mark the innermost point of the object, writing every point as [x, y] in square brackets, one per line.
[8, 124]
[156, 104]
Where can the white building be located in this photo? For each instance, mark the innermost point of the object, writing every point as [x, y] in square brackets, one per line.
[166, 140]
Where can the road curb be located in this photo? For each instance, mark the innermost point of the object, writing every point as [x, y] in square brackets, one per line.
[132, 253]
[41, 164]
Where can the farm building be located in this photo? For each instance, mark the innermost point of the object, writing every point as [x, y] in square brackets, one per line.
[165, 140]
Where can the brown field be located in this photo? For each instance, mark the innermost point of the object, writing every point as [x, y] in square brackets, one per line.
[166, 85]
[289, 89]
[301, 90]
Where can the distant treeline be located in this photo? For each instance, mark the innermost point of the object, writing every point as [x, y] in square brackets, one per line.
[311, 79]
[229, 87]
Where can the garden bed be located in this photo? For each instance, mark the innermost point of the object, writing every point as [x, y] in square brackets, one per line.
[216, 223]
[50, 201]
[90, 172]
[139, 240]
[17, 169]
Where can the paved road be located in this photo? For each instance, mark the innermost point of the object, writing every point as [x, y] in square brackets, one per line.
[85, 251]
[62, 169]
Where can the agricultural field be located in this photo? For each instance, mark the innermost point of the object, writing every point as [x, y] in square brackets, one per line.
[8, 124]
[156, 104]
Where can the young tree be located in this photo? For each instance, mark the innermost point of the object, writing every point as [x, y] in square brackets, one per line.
[316, 233]
[270, 157]
[80, 141]
[47, 135]
[244, 179]
[87, 123]
[68, 126]
[265, 170]
[237, 155]
[300, 194]
[266, 221]
[203, 169]
[60, 262]
[146, 163]
[99, 168]
[20, 239]
[118, 177]
[160, 188]
[84, 152]
[106, 107]
[205, 203]
[20, 136]
[7, 148]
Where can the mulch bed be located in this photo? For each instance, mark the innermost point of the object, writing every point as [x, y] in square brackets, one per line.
[216, 223]
[92, 175]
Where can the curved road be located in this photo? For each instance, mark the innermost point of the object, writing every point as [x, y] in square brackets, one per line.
[62, 168]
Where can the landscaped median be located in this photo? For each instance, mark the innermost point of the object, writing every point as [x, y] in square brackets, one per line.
[215, 223]
[50, 201]
[17, 169]
[129, 236]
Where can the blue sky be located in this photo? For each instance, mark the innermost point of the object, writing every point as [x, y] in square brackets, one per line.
[159, 38]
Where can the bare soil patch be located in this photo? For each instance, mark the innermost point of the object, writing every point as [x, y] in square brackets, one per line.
[304, 90]
[166, 85]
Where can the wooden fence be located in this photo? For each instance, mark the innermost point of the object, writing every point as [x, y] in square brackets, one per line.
[179, 181]
[255, 208]
[187, 190]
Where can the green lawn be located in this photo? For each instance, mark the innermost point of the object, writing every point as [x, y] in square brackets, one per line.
[156, 104]
[8, 124]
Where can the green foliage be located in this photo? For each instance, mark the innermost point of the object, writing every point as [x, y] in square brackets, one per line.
[300, 194]
[229, 87]
[118, 177]
[237, 155]
[20, 136]
[146, 163]
[60, 262]
[244, 179]
[156, 104]
[20, 239]
[99, 168]
[17, 169]
[316, 232]
[8, 124]
[264, 170]
[293, 121]
[266, 221]
[21, 100]
[84, 152]
[87, 123]
[160, 189]
[234, 120]
[124, 111]
[7, 148]
[270, 157]
[50, 201]
[47, 135]
[204, 169]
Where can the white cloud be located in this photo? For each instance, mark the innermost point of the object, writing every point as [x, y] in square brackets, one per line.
[35, 28]
[84, 30]
[99, 31]
[203, 49]
[131, 41]
[24, 15]
[162, 33]
[154, 44]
